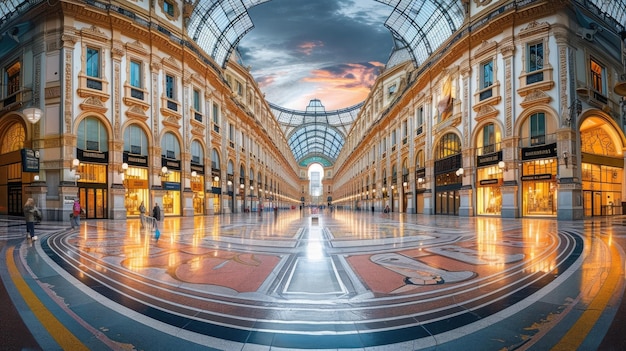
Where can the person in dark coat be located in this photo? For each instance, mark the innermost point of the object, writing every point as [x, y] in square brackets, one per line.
[156, 212]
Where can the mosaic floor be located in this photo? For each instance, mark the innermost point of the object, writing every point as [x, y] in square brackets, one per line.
[341, 280]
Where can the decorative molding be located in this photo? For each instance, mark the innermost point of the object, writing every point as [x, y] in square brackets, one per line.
[136, 47]
[93, 33]
[137, 112]
[486, 112]
[93, 104]
[485, 48]
[535, 97]
[171, 63]
[480, 3]
[508, 100]
[534, 28]
[68, 112]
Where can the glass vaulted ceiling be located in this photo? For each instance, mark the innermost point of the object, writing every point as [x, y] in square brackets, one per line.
[316, 135]
[217, 26]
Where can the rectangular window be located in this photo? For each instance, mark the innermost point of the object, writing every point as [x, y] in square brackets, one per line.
[168, 8]
[216, 114]
[393, 138]
[135, 74]
[597, 76]
[239, 88]
[535, 57]
[231, 132]
[488, 139]
[486, 79]
[405, 129]
[196, 100]
[13, 78]
[538, 129]
[93, 62]
[169, 87]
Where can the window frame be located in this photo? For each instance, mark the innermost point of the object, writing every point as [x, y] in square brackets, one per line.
[90, 66]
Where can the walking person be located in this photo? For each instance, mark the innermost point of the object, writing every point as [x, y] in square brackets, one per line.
[30, 213]
[142, 215]
[156, 212]
[76, 211]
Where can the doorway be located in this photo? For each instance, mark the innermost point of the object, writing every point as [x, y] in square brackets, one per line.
[94, 202]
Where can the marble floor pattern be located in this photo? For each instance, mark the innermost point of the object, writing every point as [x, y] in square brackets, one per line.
[339, 280]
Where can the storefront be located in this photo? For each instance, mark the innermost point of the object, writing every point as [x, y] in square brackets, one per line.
[136, 183]
[448, 183]
[91, 179]
[539, 180]
[602, 185]
[170, 179]
[488, 184]
[216, 191]
[197, 187]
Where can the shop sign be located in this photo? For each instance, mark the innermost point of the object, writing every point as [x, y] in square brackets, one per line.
[30, 160]
[197, 167]
[92, 156]
[170, 163]
[541, 151]
[135, 160]
[489, 159]
[171, 186]
[196, 186]
[216, 190]
[489, 181]
[136, 183]
[420, 173]
[537, 177]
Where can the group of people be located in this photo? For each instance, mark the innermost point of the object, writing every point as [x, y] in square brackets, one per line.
[32, 214]
[156, 213]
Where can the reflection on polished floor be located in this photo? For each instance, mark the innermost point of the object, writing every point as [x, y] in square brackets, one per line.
[341, 280]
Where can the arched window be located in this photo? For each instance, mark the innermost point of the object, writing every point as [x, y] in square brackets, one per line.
[215, 160]
[170, 148]
[538, 129]
[448, 145]
[135, 140]
[92, 135]
[419, 159]
[197, 153]
[230, 168]
[13, 139]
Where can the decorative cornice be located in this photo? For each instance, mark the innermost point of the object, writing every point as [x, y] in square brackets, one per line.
[93, 33]
[536, 96]
[534, 28]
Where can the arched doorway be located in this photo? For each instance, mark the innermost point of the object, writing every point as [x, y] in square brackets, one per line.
[92, 153]
[602, 167]
[448, 181]
[13, 138]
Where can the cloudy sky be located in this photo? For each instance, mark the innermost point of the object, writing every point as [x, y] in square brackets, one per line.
[326, 49]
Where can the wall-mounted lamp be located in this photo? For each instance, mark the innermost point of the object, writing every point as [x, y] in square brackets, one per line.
[460, 172]
[251, 187]
[502, 166]
[75, 164]
[32, 114]
[405, 184]
[565, 157]
[230, 183]
[216, 179]
[36, 177]
[165, 173]
[123, 168]
[420, 180]
[241, 186]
